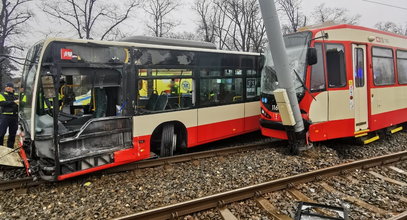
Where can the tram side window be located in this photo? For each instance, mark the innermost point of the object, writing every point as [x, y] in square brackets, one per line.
[335, 65]
[402, 66]
[359, 68]
[220, 91]
[383, 69]
[317, 75]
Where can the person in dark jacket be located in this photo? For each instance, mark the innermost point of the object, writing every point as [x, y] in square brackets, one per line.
[8, 116]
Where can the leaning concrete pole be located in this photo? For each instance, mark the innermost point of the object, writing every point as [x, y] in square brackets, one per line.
[278, 52]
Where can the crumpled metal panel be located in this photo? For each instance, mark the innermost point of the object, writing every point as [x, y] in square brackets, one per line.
[97, 136]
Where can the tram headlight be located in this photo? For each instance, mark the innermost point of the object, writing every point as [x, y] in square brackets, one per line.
[264, 113]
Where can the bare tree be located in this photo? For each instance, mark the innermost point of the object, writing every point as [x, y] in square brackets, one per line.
[159, 11]
[13, 17]
[231, 24]
[214, 24]
[391, 27]
[292, 11]
[207, 14]
[89, 18]
[222, 26]
[258, 34]
[243, 16]
[323, 14]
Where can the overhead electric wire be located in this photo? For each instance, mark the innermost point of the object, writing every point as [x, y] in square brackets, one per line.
[380, 3]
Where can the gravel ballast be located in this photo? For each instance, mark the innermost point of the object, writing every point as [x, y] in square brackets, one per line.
[109, 196]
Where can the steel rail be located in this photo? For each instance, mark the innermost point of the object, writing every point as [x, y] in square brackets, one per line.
[220, 199]
[189, 157]
[400, 216]
[19, 183]
[29, 181]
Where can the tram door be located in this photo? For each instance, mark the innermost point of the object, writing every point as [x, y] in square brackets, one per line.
[359, 98]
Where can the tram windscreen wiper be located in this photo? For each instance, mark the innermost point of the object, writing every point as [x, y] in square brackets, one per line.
[303, 84]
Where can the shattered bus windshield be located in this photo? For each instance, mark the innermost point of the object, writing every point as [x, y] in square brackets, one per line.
[27, 85]
[88, 82]
[296, 47]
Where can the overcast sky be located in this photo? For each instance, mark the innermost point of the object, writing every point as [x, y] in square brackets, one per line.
[371, 14]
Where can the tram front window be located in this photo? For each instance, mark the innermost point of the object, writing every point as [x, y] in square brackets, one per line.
[296, 47]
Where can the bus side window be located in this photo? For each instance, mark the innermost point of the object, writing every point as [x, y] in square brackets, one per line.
[178, 92]
[221, 91]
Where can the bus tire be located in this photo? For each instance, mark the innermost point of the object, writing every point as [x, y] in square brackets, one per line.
[168, 141]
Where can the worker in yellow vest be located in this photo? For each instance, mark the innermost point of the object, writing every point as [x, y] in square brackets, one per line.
[8, 116]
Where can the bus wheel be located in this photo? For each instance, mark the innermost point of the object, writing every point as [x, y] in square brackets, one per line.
[168, 141]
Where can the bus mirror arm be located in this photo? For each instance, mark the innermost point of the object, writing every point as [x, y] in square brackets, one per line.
[303, 85]
[323, 36]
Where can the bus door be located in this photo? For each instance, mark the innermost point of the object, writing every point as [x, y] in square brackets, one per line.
[360, 87]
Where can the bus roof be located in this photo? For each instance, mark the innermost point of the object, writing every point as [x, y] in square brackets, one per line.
[169, 42]
[144, 45]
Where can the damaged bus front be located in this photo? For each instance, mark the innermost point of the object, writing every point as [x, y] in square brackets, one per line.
[74, 114]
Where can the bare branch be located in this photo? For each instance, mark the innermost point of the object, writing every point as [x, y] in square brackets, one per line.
[13, 17]
[323, 14]
[120, 20]
[158, 11]
[89, 17]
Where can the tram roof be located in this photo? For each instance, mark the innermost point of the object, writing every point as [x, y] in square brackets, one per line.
[333, 26]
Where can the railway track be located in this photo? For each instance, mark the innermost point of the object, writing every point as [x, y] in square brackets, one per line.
[30, 182]
[256, 192]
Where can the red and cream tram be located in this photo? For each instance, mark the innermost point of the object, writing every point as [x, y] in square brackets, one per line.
[357, 87]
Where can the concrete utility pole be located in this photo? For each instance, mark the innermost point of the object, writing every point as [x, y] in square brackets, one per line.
[278, 51]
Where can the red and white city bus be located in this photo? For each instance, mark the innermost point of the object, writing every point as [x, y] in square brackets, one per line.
[89, 105]
[357, 87]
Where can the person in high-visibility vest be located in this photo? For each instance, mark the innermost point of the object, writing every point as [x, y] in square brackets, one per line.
[8, 116]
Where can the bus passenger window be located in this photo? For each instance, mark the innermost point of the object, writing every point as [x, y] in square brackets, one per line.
[317, 74]
[335, 65]
[252, 88]
[164, 94]
[402, 66]
[221, 91]
[383, 69]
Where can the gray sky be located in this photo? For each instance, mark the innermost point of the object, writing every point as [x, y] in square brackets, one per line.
[370, 14]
